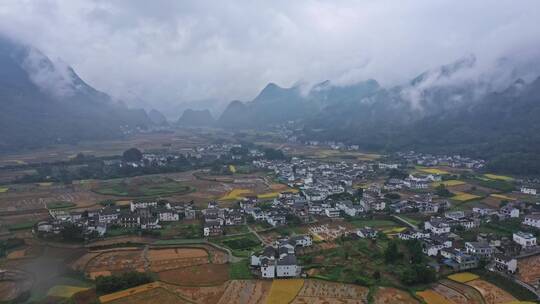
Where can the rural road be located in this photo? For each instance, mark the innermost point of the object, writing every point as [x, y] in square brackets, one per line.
[256, 234]
[405, 222]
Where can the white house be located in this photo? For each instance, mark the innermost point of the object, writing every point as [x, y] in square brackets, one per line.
[286, 266]
[140, 205]
[479, 249]
[528, 190]
[349, 208]
[301, 240]
[532, 220]
[332, 212]
[268, 267]
[437, 225]
[505, 263]
[166, 215]
[526, 240]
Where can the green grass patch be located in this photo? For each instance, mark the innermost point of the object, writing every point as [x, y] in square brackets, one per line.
[241, 245]
[60, 205]
[181, 230]
[142, 189]
[499, 177]
[118, 231]
[21, 226]
[4, 189]
[240, 270]
[499, 185]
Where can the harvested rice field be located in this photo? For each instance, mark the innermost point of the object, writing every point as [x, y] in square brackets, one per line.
[491, 293]
[532, 264]
[388, 295]
[284, 291]
[202, 275]
[463, 277]
[316, 291]
[433, 297]
[246, 291]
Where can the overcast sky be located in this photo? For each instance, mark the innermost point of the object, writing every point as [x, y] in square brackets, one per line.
[162, 53]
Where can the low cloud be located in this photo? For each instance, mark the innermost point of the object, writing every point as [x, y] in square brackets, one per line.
[160, 54]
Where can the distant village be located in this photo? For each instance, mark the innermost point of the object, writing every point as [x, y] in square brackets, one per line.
[330, 191]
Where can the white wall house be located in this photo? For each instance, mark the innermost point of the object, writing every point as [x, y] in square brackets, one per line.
[526, 240]
[332, 212]
[532, 220]
[437, 226]
[528, 190]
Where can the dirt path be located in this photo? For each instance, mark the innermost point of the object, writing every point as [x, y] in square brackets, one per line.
[256, 234]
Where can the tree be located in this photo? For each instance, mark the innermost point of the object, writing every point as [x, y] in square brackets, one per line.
[273, 154]
[132, 155]
[377, 275]
[442, 191]
[391, 254]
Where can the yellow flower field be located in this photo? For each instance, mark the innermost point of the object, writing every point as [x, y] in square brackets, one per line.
[504, 197]
[268, 195]
[463, 277]
[236, 194]
[2, 190]
[432, 170]
[431, 297]
[449, 183]
[499, 177]
[64, 291]
[232, 168]
[394, 230]
[284, 291]
[463, 197]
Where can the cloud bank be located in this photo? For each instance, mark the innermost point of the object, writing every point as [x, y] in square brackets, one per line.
[162, 54]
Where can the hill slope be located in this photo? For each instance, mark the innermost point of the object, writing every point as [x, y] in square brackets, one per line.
[44, 102]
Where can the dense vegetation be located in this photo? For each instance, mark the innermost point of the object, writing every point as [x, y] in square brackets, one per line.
[109, 284]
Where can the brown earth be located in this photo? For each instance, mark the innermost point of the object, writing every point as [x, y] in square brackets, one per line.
[201, 275]
[388, 295]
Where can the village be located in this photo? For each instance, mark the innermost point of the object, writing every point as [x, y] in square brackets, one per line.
[329, 196]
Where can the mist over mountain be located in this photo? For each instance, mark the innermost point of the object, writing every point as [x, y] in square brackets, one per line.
[442, 110]
[157, 118]
[45, 102]
[196, 118]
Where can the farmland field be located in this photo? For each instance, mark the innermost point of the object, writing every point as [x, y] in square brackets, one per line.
[432, 170]
[532, 266]
[246, 291]
[64, 291]
[317, 291]
[142, 187]
[463, 197]
[450, 294]
[4, 189]
[432, 297]
[236, 194]
[463, 277]
[491, 293]
[60, 205]
[201, 275]
[448, 183]
[121, 260]
[388, 295]
[499, 177]
[503, 197]
[148, 293]
[284, 291]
